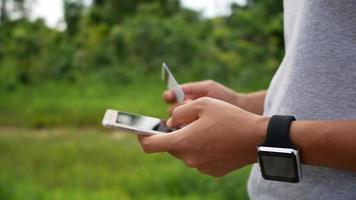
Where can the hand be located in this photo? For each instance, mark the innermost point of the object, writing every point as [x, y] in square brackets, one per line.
[197, 90]
[219, 137]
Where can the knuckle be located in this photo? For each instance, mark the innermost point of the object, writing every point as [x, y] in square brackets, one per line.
[191, 163]
[203, 102]
[210, 83]
[210, 171]
[175, 110]
[203, 171]
[217, 174]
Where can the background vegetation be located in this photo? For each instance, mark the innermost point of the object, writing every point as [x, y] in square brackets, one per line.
[56, 84]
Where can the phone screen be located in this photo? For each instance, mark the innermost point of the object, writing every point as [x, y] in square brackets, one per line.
[142, 122]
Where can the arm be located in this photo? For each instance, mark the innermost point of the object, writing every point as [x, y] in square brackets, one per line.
[220, 138]
[253, 102]
[326, 143]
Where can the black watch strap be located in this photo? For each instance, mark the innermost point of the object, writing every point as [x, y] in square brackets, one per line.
[278, 132]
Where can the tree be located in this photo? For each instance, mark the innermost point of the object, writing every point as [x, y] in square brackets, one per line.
[15, 9]
[3, 14]
[114, 12]
[72, 14]
[113, 40]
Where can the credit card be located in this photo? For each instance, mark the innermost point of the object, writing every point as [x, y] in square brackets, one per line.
[172, 84]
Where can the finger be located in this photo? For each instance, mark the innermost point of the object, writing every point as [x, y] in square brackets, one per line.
[174, 106]
[158, 143]
[184, 114]
[169, 96]
[171, 108]
[196, 89]
[193, 90]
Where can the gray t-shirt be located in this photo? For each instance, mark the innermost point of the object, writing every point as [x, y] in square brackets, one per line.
[316, 81]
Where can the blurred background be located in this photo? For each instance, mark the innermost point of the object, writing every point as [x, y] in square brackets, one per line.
[63, 62]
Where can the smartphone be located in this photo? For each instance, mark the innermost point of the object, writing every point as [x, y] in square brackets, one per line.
[133, 123]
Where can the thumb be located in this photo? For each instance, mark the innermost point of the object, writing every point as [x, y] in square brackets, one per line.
[158, 143]
[195, 90]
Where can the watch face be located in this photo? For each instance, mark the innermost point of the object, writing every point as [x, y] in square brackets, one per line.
[279, 166]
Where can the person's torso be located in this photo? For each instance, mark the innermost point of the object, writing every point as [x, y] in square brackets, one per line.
[316, 81]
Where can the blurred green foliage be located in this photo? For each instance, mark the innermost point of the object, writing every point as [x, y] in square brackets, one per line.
[114, 42]
[114, 49]
[109, 56]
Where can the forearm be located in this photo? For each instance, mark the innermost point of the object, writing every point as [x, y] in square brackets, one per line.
[253, 102]
[326, 143]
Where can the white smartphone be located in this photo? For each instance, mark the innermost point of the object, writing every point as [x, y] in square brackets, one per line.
[133, 123]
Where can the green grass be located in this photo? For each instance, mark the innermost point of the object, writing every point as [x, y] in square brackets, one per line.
[59, 104]
[89, 164]
[56, 104]
[42, 158]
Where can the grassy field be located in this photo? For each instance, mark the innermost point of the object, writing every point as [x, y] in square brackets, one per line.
[71, 163]
[56, 104]
[61, 104]
[52, 146]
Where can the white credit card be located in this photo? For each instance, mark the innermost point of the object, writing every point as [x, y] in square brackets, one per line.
[172, 84]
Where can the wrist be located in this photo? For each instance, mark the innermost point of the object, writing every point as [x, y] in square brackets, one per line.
[261, 130]
[278, 157]
[245, 101]
[252, 102]
[241, 100]
[260, 124]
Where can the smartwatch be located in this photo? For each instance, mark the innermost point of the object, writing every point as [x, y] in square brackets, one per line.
[278, 158]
